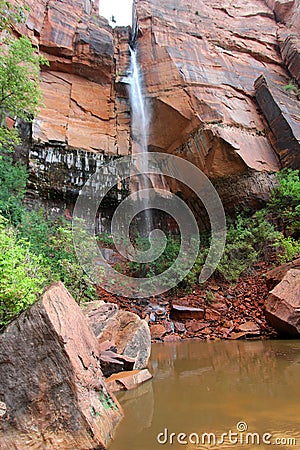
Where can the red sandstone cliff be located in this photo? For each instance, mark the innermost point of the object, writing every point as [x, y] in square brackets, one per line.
[80, 106]
[215, 72]
[200, 61]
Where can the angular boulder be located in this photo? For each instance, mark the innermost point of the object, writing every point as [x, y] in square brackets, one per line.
[52, 390]
[111, 363]
[129, 335]
[282, 307]
[182, 312]
[275, 275]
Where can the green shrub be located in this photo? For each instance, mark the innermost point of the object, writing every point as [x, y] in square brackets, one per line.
[284, 205]
[287, 248]
[13, 178]
[54, 241]
[209, 297]
[160, 264]
[22, 274]
[292, 87]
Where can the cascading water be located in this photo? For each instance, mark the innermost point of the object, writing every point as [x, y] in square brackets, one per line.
[140, 119]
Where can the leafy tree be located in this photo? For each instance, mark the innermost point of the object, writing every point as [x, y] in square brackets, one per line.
[19, 98]
[19, 79]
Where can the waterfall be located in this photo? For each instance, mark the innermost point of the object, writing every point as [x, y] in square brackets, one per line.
[140, 121]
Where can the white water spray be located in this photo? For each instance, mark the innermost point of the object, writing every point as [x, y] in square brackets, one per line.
[140, 120]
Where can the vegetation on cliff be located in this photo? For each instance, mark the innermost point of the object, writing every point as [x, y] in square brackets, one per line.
[34, 250]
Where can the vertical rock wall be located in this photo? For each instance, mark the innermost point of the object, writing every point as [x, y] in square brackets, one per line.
[84, 121]
[200, 62]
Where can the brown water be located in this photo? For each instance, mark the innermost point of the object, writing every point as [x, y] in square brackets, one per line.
[210, 388]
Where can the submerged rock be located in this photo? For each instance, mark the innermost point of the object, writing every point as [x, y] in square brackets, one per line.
[129, 335]
[127, 380]
[282, 307]
[52, 390]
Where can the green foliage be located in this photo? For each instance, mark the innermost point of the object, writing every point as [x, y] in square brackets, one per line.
[22, 274]
[11, 15]
[209, 297]
[287, 248]
[107, 401]
[284, 205]
[54, 241]
[13, 178]
[160, 264]
[292, 87]
[106, 239]
[19, 97]
[34, 255]
[192, 277]
[246, 240]
[38, 251]
[19, 74]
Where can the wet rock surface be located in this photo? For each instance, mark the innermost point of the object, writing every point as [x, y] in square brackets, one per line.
[84, 118]
[82, 50]
[50, 379]
[199, 60]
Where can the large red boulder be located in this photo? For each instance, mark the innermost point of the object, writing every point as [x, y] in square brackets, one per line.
[52, 392]
[282, 307]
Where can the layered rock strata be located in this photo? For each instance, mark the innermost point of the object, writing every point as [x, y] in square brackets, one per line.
[82, 117]
[200, 61]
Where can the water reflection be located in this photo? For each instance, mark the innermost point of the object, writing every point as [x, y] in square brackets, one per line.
[210, 387]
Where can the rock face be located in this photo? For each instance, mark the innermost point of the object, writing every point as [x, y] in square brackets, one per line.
[83, 113]
[281, 111]
[287, 12]
[200, 61]
[50, 380]
[282, 307]
[127, 333]
[80, 106]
